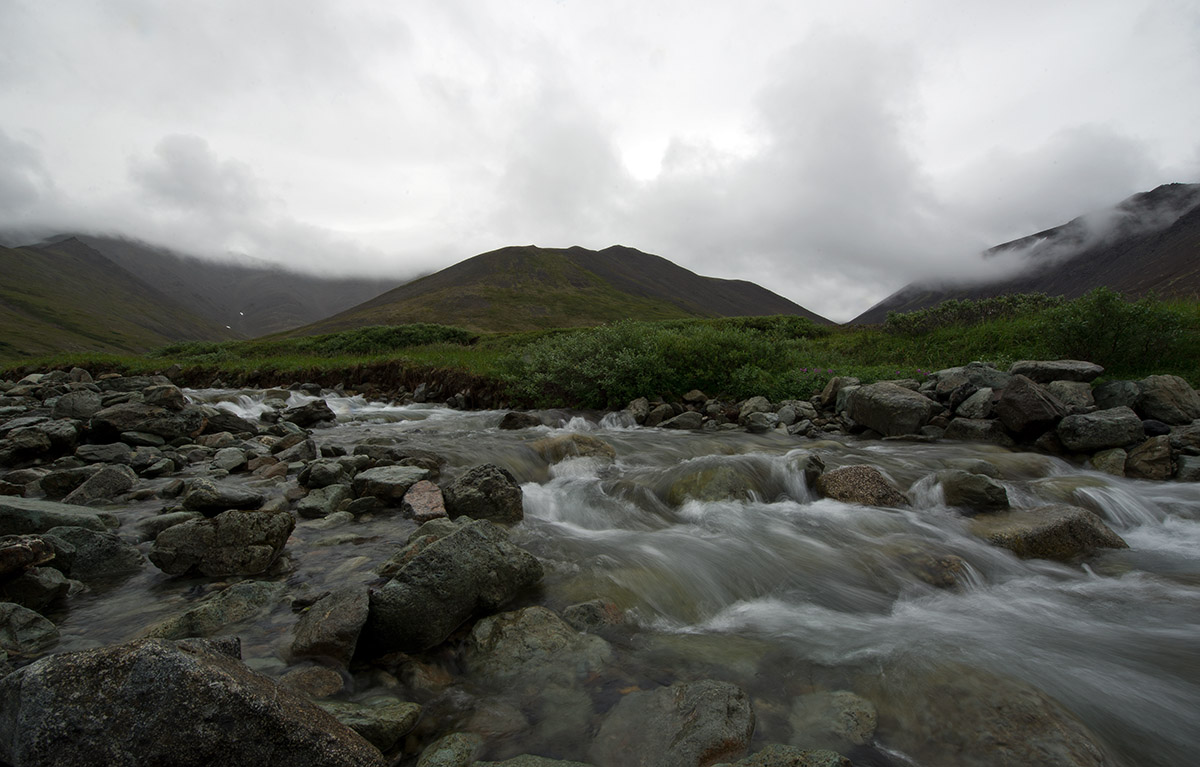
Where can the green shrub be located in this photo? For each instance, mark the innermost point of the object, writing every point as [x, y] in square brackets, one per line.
[964, 312]
[1123, 336]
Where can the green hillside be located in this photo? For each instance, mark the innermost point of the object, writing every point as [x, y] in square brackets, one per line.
[67, 298]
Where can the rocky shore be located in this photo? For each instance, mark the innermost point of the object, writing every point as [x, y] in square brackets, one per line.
[75, 450]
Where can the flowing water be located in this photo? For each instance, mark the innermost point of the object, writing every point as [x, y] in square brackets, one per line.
[770, 587]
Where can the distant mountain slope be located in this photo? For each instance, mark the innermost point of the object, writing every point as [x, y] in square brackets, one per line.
[525, 288]
[67, 297]
[1148, 242]
[252, 300]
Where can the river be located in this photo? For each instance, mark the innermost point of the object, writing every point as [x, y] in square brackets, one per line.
[774, 589]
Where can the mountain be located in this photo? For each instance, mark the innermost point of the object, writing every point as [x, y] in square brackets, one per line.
[251, 299]
[67, 297]
[527, 288]
[1148, 242]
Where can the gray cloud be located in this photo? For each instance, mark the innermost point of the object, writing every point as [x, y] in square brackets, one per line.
[24, 181]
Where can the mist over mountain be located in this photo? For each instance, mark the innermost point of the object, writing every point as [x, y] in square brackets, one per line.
[1149, 242]
[527, 287]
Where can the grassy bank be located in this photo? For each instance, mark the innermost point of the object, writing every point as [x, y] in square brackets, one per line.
[779, 357]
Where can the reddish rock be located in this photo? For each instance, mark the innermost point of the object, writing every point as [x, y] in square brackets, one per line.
[423, 502]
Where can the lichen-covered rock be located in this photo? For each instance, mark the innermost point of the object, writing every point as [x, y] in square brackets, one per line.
[1076, 395]
[153, 701]
[1168, 398]
[231, 543]
[20, 552]
[383, 721]
[891, 410]
[860, 484]
[1060, 532]
[82, 404]
[99, 555]
[329, 629]
[446, 578]
[228, 606]
[322, 501]
[485, 492]
[1110, 461]
[1101, 430]
[532, 641]
[688, 723]
[211, 498]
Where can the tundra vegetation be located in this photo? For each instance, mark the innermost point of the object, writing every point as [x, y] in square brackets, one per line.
[779, 357]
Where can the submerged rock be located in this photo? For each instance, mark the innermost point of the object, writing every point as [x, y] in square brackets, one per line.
[514, 420]
[860, 484]
[381, 720]
[1059, 532]
[153, 701]
[688, 723]
[532, 641]
[975, 492]
[555, 449]
[230, 605]
[777, 755]
[832, 720]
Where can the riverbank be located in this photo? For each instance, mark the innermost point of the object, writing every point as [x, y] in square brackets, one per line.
[453, 584]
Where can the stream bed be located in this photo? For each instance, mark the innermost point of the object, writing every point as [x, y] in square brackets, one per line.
[762, 584]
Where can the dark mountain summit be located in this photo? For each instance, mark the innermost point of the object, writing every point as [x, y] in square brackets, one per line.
[1148, 242]
[527, 287]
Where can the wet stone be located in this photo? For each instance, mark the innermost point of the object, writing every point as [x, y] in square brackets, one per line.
[860, 484]
[381, 720]
[210, 498]
[832, 720]
[24, 632]
[423, 502]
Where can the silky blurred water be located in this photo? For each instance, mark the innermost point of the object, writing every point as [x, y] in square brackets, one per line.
[769, 586]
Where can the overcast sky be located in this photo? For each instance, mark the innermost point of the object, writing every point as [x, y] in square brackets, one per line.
[831, 152]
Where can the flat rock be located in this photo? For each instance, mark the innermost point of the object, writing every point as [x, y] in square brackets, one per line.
[28, 515]
[388, 483]
[688, 723]
[423, 502]
[1060, 532]
[1045, 371]
[153, 701]
[860, 484]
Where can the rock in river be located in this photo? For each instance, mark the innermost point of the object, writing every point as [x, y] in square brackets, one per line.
[485, 492]
[1057, 532]
[231, 543]
[153, 701]
[860, 484]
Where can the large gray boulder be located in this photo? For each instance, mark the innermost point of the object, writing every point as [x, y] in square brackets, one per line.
[1045, 371]
[1026, 408]
[111, 422]
[1168, 399]
[211, 498]
[988, 430]
[977, 405]
[81, 404]
[231, 543]
[1060, 532]
[976, 493]
[104, 485]
[99, 555]
[449, 572]
[19, 516]
[153, 702]
[860, 484]
[485, 492]
[1101, 430]
[891, 410]
[688, 723]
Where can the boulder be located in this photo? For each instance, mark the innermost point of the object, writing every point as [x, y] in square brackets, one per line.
[1112, 394]
[778, 755]
[19, 516]
[388, 483]
[229, 459]
[153, 701]
[22, 632]
[20, 552]
[1045, 371]
[1169, 399]
[330, 628]
[1100, 430]
[865, 485]
[149, 528]
[555, 449]
[228, 606]
[1026, 408]
[82, 404]
[485, 492]
[530, 760]
[829, 395]
[231, 543]
[118, 383]
[166, 396]
[689, 420]
[110, 422]
[322, 502]
[98, 555]
[423, 502]
[314, 413]
[639, 409]
[219, 420]
[1151, 460]
[659, 414]
[688, 723]
[711, 483]
[1060, 532]
[755, 423]
[754, 405]
[381, 720]
[1110, 461]
[114, 452]
[514, 420]
[976, 493]
[210, 498]
[987, 430]
[36, 588]
[891, 410]
[450, 572]
[104, 485]
[978, 405]
[532, 641]
[837, 720]
[1076, 395]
